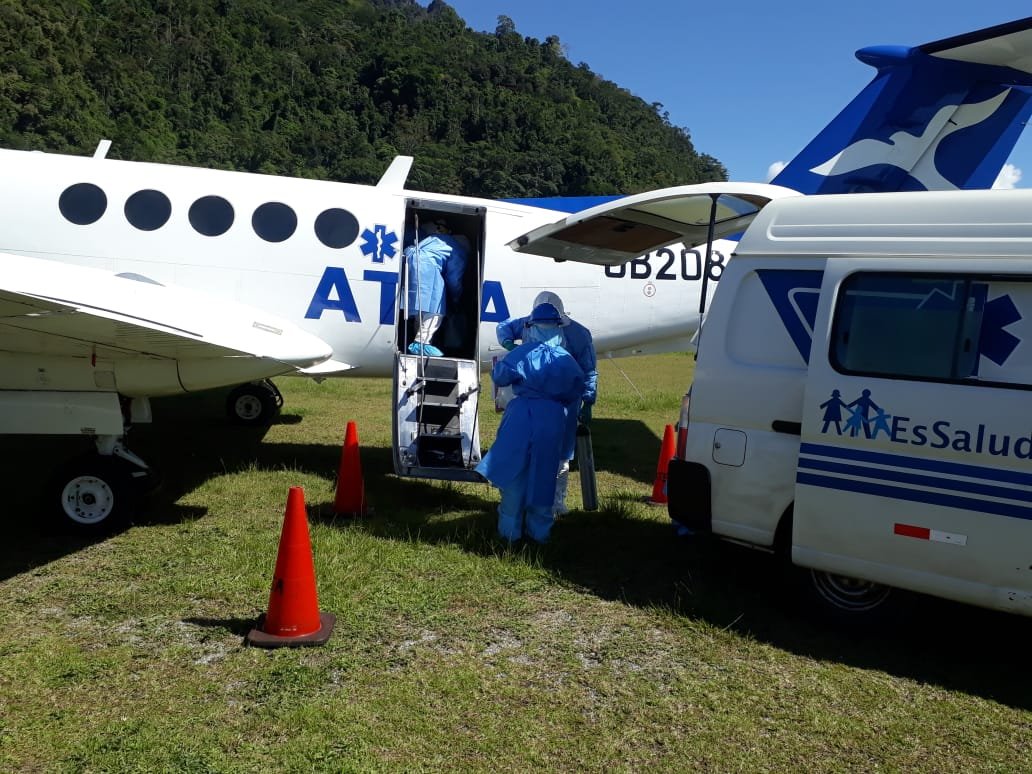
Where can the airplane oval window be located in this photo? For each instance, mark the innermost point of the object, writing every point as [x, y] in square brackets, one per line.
[211, 215]
[148, 210]
[83, 203]
[274, 221]
[336, 228]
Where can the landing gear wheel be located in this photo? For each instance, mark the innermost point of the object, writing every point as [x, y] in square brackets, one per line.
[94, 494]
[254, 404]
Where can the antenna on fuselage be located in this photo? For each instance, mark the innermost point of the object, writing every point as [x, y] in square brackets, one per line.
[396, 173]
[102, 149]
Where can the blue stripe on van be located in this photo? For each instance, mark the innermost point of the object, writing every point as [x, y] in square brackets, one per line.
[915, 463]
[914, 495]
[916, 479]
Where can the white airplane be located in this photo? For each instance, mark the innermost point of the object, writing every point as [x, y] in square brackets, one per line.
[126, 280]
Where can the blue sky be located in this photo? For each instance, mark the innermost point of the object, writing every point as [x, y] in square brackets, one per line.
[752, 82]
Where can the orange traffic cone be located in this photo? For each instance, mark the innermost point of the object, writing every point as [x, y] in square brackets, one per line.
[349, 499]
[293, 617]
[666, 453]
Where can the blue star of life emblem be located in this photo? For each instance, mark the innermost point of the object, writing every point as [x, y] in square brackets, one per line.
[996, 343]
[379, 243]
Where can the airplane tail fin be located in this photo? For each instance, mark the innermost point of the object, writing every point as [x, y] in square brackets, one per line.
[941, 116]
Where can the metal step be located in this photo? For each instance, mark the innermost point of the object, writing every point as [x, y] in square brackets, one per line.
[440, 451]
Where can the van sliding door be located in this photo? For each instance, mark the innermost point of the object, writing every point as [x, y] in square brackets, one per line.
[915, 467]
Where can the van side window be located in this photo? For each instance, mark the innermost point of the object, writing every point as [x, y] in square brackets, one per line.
[908, 326]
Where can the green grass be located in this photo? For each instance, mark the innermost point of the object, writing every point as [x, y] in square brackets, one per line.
[615, 647]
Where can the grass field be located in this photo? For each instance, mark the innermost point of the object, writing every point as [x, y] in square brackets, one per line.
[616, 647]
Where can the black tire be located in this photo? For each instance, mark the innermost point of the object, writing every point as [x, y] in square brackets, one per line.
[840, 600]
[847, 601]
[277, 395]
[254, 404]
[94, 494]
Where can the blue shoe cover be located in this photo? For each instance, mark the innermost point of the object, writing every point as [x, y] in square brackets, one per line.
[416, 348]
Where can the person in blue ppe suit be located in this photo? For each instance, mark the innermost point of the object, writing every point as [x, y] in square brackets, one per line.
[546, 383]
[436, 264]
[577, 341]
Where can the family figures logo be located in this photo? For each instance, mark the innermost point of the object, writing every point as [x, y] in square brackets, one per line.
[864, 416]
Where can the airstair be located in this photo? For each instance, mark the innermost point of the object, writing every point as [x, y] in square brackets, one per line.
[436, 398]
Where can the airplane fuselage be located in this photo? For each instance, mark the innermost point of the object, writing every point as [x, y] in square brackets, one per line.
[324, 255]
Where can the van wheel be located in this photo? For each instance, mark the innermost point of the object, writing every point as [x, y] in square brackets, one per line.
[845, 599]
[838, 599]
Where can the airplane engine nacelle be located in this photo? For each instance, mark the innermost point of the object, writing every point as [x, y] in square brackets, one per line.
[157, 378]
[205, 374]
[24, 371]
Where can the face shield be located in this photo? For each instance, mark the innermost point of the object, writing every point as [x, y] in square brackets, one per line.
[544, 333]
[543, 325]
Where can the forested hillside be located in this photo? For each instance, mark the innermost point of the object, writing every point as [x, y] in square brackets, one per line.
[330, 89]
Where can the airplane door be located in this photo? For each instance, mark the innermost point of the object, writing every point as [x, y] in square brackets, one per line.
[437, 373]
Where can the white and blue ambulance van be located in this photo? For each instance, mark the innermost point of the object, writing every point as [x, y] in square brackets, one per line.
[862, 397]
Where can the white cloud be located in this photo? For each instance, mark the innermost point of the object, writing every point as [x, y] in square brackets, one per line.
[774, 169]
[1009, 177]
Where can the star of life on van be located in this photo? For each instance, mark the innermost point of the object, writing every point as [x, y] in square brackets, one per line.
[862, 397]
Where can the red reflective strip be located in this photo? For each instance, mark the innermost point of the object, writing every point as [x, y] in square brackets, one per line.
[909, 530]
[682, 426]
[682, 441]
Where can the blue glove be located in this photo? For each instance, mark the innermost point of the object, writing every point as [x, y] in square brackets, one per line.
[585, 414]
[509, 344]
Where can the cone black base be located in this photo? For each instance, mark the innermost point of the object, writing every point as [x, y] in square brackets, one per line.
[260, 639]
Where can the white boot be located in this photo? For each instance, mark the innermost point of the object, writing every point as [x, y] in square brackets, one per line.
[561, 482]
[428, 325]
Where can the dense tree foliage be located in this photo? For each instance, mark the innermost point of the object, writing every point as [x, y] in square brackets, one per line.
[330, 89]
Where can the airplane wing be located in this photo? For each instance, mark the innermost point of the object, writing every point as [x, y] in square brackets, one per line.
[621, 230]
[57, 309]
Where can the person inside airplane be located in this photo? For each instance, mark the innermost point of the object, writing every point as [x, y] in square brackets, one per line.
[436, 264]
[576, 339]
[547, 383]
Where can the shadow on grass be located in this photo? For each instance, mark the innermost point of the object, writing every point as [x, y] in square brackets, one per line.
[200, 449]
[643, 563]
[613, 554]
[626, 447]
[190, 442]
[35, 531]
[617, 556]
[238, 626]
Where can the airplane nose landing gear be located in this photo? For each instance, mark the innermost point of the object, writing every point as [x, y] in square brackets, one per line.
[254, 404]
